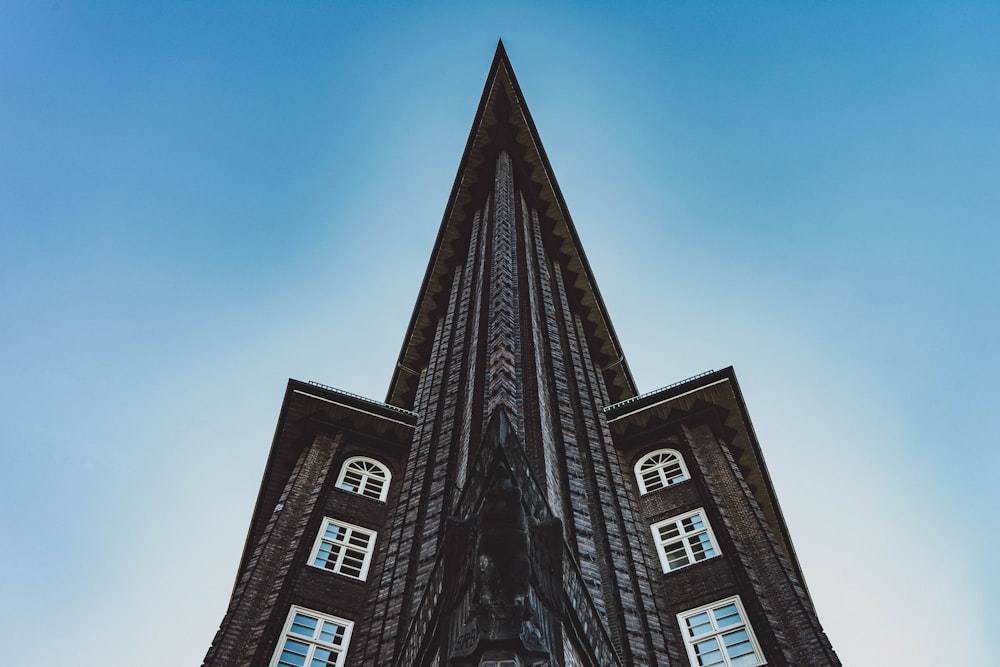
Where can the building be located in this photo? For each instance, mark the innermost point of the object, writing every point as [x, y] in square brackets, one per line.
[515, 500]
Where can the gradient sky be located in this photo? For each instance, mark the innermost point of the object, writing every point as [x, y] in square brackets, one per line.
[201, 200]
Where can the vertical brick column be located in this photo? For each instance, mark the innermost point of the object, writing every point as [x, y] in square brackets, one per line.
[390, 619]
[472, 305]
[783, 600]
[541, 307]
[575, 445]
[254, 600]
[437, 439]
[502, 385]
[644, 628]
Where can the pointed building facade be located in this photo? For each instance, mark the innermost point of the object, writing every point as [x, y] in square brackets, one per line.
[515, 501]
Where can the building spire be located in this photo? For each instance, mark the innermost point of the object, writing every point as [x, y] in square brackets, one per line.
[514, 500]
[503, 123]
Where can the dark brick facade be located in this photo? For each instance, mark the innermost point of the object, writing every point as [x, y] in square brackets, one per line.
[509, 320]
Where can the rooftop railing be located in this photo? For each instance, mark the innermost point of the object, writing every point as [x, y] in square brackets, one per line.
[363, 398]
[634, 399]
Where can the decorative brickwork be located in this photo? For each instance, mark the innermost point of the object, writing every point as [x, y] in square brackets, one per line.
[262, 581]
[790, 615]
[502, 386]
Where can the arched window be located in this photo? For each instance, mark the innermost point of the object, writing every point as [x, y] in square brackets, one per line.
[660, 469]
[365, 477]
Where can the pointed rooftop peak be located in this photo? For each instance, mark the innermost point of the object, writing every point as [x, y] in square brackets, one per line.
[503, 123]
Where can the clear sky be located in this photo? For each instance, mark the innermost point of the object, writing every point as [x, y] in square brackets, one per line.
[201, 200]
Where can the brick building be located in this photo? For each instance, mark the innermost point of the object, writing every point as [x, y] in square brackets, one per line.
[515, 500]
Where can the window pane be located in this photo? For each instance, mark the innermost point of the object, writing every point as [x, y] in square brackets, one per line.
[351, 482]
[693, 523]
[726, 616]
[293, 646]
[699, 624]
[677, 558]
[653, 483]
[304, 625]
[332, 633]
[669, 532]
[749, 660]
[323, 657]
[294, 653]
[739, 650]
[327, 556]
[735, 638]
[701, 546]
[708, 653]
[651, 463]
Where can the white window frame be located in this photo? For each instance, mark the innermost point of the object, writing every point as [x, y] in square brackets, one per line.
[366, 475]
[659, 469]
[684, 538]
[344, 546]
[315, 642]
[717, 632]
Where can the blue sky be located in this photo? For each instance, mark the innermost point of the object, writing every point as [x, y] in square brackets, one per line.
[201, 200]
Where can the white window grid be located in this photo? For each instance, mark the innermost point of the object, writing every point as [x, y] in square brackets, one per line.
[660, 469]
[719, 635]
[313, 639]
[684, 540]
[365, 477]
[343, 548]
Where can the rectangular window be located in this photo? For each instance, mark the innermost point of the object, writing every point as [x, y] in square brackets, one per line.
[720, 635]
[313, 639]
[343, 548]
[683, 540]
